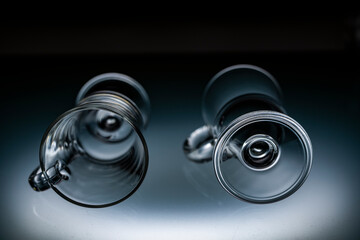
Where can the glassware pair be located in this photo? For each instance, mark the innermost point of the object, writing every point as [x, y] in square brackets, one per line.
[94, 155]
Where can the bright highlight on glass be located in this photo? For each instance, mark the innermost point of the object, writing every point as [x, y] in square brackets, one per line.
[259, 153]
[94, 155]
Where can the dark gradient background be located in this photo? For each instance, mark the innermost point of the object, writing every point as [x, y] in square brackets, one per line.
[314, 58]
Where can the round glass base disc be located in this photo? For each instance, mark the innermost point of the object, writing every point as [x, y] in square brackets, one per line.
[262, 156]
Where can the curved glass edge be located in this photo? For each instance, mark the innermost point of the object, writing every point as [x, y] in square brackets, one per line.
[252, 117]
[113, 102]
[239, 66]
[120, 77]
[236, 67]
[138, 132]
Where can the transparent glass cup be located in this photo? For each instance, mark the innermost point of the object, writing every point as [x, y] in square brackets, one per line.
[95, 155]
[259, 153]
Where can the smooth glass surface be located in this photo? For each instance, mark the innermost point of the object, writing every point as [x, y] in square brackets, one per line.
[121, 84]
[254, 162]
[281, 171]
[93, 155]
[181, 199]
[239, 84]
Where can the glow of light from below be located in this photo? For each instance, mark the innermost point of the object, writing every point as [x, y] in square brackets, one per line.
[316, 210]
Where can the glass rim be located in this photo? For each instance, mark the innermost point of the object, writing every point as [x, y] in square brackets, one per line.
[93, 106]
[254, 117]
[118, 77]
[238, 67]
[243, 66]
